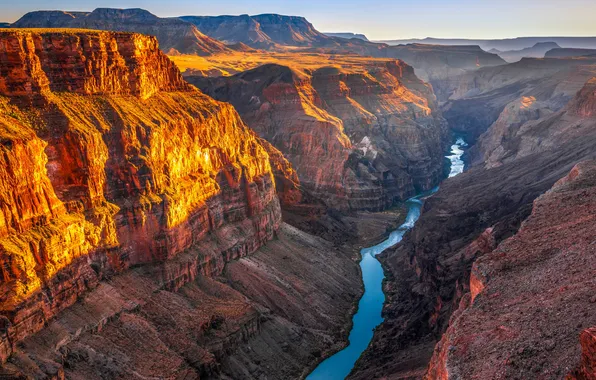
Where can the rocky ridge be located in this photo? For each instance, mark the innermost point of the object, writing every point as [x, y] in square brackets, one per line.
[512, 94]
[430, 273]
[174, 35]
[549, 255]
[358, 140]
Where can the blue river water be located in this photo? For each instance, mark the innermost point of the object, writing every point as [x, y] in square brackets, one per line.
[368, 316]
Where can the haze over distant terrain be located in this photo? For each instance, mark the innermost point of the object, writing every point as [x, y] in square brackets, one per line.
[377, 19]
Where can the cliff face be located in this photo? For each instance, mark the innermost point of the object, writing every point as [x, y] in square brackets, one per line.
[174, 35]
[110, 160]
[544, 278]
[512, 94]
[431, 279]
[528, 127]
[357, 139]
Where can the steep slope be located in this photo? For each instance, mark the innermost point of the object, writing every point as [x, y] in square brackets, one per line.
[520, 91]
[174, 35]
[521, 132]
[536, 51]
[511, 324]
[360, 138]
[429, 274]
[91, 186]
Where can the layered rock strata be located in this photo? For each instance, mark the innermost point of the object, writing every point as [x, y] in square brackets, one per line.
[110, 161]
[357, 139]
[512, 94]
[505, 331]
[429, 274]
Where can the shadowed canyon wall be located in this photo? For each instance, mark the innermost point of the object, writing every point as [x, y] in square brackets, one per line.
[470, 222]
[358, 138]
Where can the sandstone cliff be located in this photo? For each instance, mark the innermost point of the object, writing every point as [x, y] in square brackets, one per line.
[110, 160]
[358, 138]
[174, 35]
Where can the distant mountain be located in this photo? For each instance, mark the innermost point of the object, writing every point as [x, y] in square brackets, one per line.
[4, 24]
[260, 31]
[347, 35]
[495, 51]
[536, 51]
[504, 44]
[568, 52]
[174, 35]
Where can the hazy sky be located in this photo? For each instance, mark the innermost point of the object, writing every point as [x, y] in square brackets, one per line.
[378, 19]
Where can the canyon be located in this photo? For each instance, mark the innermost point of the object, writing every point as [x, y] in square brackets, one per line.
[106, 230]
[436, 281]
[361, 138]
[201, 214]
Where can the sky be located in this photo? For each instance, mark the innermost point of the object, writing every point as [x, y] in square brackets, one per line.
[378, 19]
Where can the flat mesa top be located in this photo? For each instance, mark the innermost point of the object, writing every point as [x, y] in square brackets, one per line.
[231, 63]
[59, 31]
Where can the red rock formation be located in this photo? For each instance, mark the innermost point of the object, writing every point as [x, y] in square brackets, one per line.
[431, 271]
[359, 139]
[587, 368]
[110, 160]
[535, 294]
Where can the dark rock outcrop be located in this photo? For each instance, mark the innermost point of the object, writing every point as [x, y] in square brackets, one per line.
[532, 295]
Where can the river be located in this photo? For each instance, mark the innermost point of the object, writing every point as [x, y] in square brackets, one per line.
[368, 316]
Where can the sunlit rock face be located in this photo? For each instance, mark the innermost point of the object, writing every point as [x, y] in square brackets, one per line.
[359, 138]
[111, 160]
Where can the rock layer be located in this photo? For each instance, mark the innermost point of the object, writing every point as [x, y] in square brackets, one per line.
[174, 35]
[111, 160]
[358, 139]
[512, 94]
[507, 331]
[429, 274]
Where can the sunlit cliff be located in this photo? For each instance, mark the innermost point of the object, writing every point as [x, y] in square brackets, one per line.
[110, 160]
